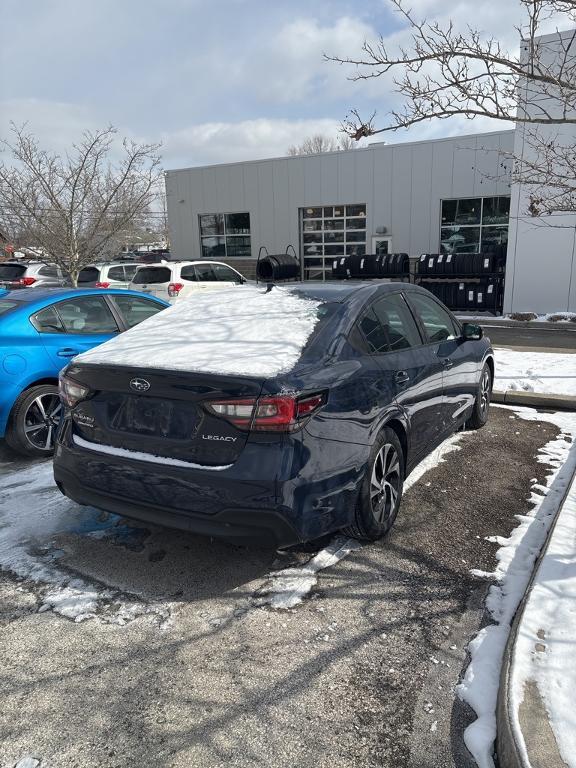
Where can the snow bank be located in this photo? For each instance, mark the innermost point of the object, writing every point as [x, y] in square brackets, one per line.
[542, 372]
[238, 331]
[515, 563]
[546, 643]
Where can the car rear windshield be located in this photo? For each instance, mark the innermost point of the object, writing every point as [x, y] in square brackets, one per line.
[152, 275]
[11, 271]
[6, 306]
[88, 275]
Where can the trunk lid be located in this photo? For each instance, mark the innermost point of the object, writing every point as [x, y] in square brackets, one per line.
[162, 413]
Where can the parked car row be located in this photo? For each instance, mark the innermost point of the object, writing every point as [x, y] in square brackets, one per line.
[169, 280]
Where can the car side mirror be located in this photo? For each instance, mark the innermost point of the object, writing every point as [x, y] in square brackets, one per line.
[472, 332]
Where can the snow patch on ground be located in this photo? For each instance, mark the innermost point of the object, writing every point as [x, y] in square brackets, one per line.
[245, 331]
[290, 586]
[515, 563]
[542, 372]
[32, 513]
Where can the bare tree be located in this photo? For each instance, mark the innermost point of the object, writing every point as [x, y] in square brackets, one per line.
[76, 209]
[444, 72]
[314, 145]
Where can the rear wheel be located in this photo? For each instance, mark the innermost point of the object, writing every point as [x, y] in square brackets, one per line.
[381, 490]
[34, 420]
[482, 403]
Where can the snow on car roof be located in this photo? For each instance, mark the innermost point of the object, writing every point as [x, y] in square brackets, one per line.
[245, 330]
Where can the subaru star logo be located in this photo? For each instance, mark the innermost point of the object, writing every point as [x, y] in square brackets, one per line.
[139, 385]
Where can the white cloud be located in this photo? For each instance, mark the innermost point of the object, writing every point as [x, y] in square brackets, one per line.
[208, 143]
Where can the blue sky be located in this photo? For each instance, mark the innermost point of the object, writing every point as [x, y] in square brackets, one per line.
[214, 81]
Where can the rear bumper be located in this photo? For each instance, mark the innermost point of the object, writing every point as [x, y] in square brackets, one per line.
[284, 491]
[236, 525]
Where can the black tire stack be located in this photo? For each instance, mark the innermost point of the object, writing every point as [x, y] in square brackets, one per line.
[371, 266]
[464, 281]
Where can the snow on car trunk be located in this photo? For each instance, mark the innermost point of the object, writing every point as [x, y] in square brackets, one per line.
[246, 330]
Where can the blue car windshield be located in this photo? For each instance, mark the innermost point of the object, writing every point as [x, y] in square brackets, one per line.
[6, 306]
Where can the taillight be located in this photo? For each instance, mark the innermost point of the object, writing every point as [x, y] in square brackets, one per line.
[102, 285]
[27, 281]
[71, 392]
[283, 413]
[174, 289]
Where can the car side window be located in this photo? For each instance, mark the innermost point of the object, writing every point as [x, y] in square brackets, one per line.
[373, 333]
[135, 309]
[47, 321]
[204, 273]
[388, 326]
[188, 273]
[48, 271]
[399, 325]
[87, 314]
[116, 273]
[437, 322]
[225, 274]
[130, 270]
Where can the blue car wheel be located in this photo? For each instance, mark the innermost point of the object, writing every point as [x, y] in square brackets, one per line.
[34, 421]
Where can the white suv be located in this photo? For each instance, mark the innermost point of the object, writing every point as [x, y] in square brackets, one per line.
[107, 275]
[172, 280]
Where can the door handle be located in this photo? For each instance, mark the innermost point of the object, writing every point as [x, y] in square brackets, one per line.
[447, 363]
[402, 377]
[67, 352]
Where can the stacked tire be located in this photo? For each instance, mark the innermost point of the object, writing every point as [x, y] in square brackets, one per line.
[370, 266]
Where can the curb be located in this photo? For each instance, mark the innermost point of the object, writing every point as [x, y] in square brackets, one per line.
[535, 400]
[508, 751]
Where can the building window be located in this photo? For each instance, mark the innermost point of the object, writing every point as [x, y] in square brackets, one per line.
[327, 232]
[225, 235]
[474, 225]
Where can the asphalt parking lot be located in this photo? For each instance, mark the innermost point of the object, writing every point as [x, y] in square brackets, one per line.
[180, 662]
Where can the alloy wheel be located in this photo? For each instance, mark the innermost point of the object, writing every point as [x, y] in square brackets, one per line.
[485, 392]
[385, 483]
[41, 420]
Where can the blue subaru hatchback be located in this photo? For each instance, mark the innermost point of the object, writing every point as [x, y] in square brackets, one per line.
[286, 413]
[40, 331]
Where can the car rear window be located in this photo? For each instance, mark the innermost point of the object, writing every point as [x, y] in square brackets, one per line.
[6, 306]
[88, 275]
[11, 271]
[147, 275]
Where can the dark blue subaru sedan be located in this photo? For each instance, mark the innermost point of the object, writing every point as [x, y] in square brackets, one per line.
[283, 414]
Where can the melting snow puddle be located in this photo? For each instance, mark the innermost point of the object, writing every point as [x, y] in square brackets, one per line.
[33, 513]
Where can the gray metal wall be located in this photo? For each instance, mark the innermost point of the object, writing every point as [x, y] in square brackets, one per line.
[401, 184]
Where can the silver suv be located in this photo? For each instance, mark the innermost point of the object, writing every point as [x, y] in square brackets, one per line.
[30, 274]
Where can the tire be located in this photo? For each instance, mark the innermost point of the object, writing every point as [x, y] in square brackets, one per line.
[33, 421]
[376, 509]
[482, 403]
